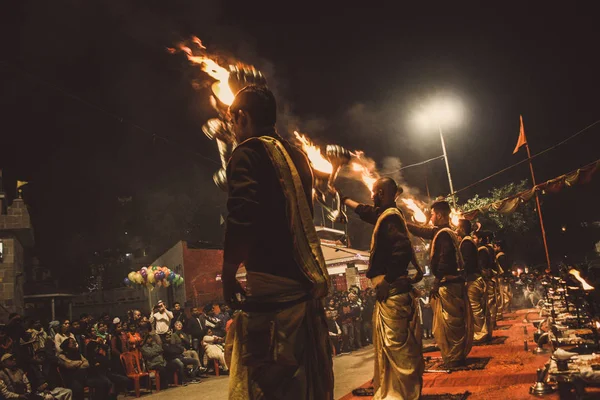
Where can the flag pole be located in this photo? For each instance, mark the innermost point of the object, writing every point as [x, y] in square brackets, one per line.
[539, 208]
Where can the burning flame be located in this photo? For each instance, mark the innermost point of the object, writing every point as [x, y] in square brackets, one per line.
[313, 152]
[367, 177]
[418, 214]
[367, 170]
[220, 88]
[577, 275]
[455, 216]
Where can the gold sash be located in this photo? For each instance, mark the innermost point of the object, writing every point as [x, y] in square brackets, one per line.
[459, 259]
[500, 269]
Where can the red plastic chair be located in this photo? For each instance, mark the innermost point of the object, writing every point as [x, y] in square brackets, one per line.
[155, 372]
[215, 362]
[133, 370]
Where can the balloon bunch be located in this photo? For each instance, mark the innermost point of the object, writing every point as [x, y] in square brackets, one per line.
[153, 277]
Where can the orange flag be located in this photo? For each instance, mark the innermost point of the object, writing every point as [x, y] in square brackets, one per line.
[522, 139]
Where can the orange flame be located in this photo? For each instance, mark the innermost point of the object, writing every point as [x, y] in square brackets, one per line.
[577, 275]
[369, 178]
[313, 153]
[418, 214]
[220, 88]
[366, 167]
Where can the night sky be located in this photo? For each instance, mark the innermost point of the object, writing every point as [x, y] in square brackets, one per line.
[70, 70]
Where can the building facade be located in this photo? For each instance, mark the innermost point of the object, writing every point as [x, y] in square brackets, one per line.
[16, 239]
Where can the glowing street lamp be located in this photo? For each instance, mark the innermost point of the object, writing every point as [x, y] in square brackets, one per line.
[440, 111]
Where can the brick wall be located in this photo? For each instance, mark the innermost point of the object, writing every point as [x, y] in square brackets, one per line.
[202, 275]
[16, 217]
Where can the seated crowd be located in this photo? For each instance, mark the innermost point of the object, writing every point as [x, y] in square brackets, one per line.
[92, 355]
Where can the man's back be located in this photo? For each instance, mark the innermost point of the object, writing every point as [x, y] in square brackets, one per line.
[258, 226]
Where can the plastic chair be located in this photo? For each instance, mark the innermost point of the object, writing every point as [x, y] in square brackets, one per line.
[155, 372]
[131, 364]
[205, 361]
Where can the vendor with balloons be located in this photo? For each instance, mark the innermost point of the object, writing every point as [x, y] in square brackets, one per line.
[161, 319]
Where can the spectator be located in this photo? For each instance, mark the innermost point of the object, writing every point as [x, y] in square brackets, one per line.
[15, 328]
[531, 294]
[178, 314]
[212, 321]
[134, 339]
[335, 333]
[181, 338]
[213, 347]
[101, 372]
[38, 336]
[74, 368]
[367, 315]
[85, 320]
[356, 311]
[105, 319]
[426, 313]
[6, 343]
[63, 334]
[196, 328]
[41, 379]
[173, 354]
[13, 381]
[153, 356]
[134, 316]
[222, 317]
[347, 324]
[332, 306]
[102, 331]
[118, 346]
[161, 319]
[79, 333]
[53, 329]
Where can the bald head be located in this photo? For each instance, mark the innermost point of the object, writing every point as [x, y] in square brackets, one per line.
[385, 191]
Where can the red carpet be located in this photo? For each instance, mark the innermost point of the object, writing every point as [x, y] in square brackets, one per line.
[508, 375]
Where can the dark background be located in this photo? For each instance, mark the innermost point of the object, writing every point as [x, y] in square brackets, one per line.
[80, 78]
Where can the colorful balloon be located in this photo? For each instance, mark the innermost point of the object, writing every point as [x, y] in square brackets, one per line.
[127, 282]
[138, 278]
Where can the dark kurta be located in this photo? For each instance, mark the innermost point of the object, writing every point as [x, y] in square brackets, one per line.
[443, 261]
[485, 260]
[468, 250]
[394, 250]
[258, 228]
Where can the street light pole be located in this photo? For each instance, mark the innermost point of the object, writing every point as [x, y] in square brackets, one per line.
[447, 165]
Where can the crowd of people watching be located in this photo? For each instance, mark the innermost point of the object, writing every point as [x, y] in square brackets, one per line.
[349, 319]
[63, 359]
